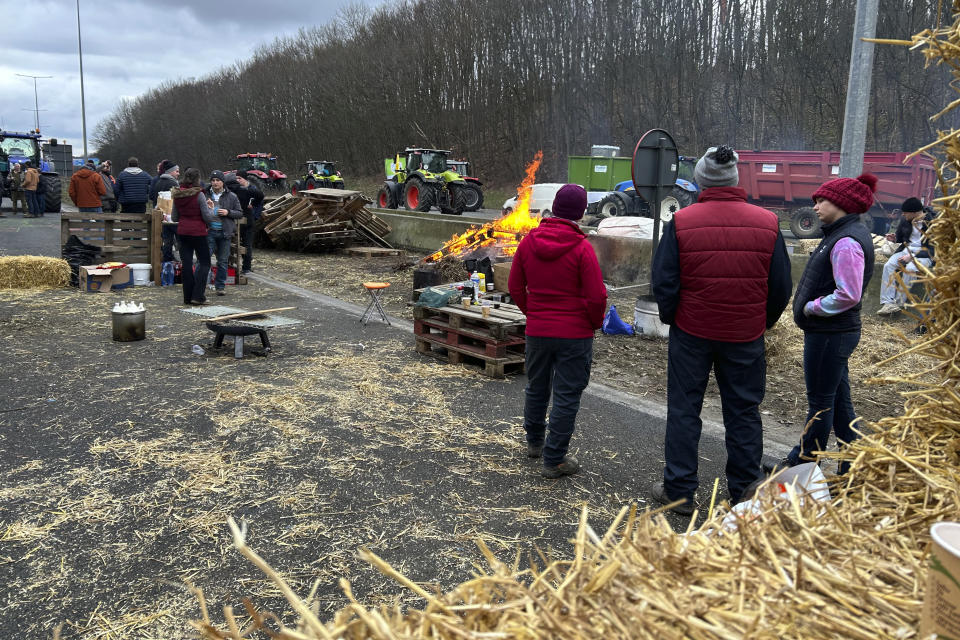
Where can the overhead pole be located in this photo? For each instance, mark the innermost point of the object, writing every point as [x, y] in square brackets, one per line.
[83, 105]
[858, 90]
[36, 101]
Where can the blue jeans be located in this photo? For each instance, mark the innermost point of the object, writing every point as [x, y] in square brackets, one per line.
[220, 246]
[90, 209]
[741, 372]
[563, 366]
[827, 377]
[34, 203]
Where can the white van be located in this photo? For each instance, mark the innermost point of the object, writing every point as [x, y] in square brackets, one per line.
[541, 198]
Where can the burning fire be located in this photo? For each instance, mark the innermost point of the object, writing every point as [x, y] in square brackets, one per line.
[506, 231]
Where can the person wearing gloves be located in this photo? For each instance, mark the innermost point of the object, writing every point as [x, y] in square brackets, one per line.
[826, 307]
[555, 279]
[721, 277]
[226, 208]
[192, 215]
[913, 250]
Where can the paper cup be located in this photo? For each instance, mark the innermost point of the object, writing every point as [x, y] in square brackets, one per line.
[466, 303]
[485, 311]
[941, 602]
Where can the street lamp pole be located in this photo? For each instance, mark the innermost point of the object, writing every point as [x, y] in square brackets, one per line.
[83, 104]
[36, 102]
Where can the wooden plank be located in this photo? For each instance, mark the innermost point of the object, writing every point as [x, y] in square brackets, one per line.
[491, 367]
[372, 252]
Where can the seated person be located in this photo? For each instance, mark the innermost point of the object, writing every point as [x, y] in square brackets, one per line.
[913, 249]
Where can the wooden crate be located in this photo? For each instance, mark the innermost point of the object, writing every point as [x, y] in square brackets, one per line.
[122, 237]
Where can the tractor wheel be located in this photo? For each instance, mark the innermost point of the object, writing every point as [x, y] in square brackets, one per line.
[280, 185]
[257, 182]
[51, 192]
[457, 198]
[385, 199]
[338, 185]
[473, 197]
[418, 196]
[311, 183]
[684, 197]
[805, 224]
[611, 205]
[295, 187]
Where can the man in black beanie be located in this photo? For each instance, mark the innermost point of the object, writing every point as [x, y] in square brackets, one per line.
[913, 249]
[721, 277]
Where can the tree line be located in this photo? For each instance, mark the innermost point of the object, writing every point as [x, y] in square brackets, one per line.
[496, 80]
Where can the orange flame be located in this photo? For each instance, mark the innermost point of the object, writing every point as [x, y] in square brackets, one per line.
[506, 231]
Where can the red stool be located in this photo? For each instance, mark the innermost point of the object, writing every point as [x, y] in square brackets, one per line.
[375, 289]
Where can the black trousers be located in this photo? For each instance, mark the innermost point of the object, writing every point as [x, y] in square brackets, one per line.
[194, 282]
[741, 372]
[559, 367]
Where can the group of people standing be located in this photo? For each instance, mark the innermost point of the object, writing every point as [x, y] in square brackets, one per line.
[721, 277]
[202, 222]
[206, 218]
[26, 190]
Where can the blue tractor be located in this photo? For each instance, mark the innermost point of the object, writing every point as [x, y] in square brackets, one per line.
[19, 147]
[624, 201]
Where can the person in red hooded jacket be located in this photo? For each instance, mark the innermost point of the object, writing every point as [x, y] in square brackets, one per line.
[556, 281]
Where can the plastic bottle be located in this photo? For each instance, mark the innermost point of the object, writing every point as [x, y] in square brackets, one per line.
[166, 274]
[475, 279]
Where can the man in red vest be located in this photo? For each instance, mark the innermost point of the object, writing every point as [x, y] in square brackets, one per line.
[721, 277]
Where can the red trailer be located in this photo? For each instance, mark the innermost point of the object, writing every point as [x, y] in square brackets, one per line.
[786, 180]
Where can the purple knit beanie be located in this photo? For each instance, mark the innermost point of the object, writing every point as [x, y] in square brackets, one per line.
[570, 202]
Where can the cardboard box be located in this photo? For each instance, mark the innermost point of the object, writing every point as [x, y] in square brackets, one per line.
[501, 274]
[231, 274]
[93, 279]
[165, 202]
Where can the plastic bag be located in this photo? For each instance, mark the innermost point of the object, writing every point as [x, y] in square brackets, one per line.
[614, 325]
[436, 297]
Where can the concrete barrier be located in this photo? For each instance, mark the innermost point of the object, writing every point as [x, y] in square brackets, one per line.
[624, 261]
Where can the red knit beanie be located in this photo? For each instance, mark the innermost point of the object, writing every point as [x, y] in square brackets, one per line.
[570, 202]
[853, 196]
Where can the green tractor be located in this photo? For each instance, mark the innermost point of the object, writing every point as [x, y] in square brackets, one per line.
[420, 179]
[473, 195]
[320, 174]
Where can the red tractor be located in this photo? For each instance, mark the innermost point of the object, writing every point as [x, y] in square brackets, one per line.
[262, 171]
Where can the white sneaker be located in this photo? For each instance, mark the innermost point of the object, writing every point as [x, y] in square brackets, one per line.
[887, 309]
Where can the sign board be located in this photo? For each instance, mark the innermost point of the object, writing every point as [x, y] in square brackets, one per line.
[768, 168]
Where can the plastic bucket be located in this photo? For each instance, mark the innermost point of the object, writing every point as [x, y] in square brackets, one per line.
[129, 327]
[646, 319]
[141, 273]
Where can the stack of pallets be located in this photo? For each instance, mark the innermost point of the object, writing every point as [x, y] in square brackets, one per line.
[322, 219]
[461, 335]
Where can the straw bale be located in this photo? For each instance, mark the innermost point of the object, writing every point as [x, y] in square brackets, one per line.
[33, 272]
[853, 567]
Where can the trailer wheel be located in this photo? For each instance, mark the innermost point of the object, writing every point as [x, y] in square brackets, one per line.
[805, 224]
[611, 205]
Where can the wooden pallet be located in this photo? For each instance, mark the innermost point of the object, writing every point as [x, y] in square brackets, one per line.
[505, 323]
[492, 367]
[372, 252]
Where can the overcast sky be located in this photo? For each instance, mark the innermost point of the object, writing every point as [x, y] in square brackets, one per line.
[129, 47]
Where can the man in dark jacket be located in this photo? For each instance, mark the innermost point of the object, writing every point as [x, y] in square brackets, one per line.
[226, 208]
[556, 281]
[913, 249]
[167, 179]
[133, 188]
[721, 277]
[251, 201]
